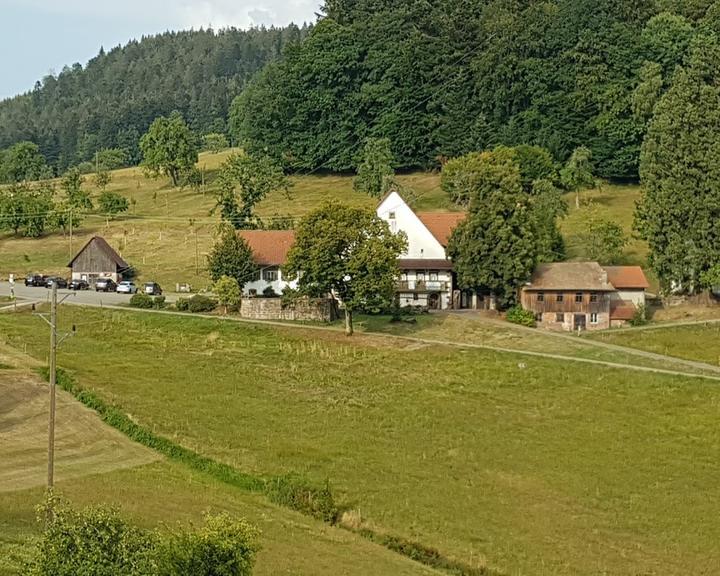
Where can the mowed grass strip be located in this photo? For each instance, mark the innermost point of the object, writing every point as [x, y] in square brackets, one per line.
[699, 342]
[532, 465]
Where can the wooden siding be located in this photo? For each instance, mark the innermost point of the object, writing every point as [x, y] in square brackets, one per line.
[568, 305]
[93, 260]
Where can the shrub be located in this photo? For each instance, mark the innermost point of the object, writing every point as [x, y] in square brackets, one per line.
[640, 317]
[98, 542]
[223, 546]
[159, 302]
[93, 542]
[269, 292]
[140, 300]
[295, 493]
[518, 315]
[200, 303]
[182, 304]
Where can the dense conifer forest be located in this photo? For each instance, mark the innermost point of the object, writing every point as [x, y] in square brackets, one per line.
[438, 78]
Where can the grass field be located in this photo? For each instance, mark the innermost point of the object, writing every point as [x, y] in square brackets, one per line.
[534, 466]
[96, 464]
[158, 238]
[699, 342]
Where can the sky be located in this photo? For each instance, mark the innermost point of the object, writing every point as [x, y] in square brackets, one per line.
[39, 37]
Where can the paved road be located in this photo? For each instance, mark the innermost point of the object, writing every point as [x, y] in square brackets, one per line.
[88, 297]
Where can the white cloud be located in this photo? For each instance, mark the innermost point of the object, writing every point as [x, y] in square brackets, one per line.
[184, 13]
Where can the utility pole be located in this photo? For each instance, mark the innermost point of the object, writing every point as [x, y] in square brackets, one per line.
[71, 231]
[53, 374]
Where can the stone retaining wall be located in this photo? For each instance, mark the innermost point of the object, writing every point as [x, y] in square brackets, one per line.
[316, 310]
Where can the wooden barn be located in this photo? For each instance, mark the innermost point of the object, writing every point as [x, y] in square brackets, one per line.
[97, 259]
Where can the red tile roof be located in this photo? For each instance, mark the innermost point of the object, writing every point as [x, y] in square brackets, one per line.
[441, 224]
[627, 277]
[270, 247]
[622, 310]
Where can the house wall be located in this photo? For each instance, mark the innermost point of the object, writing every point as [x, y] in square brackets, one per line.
[93, 263]
[260, 283]
[415, 287]
[530, 301]
[637, 297]
[421, 243]
[550, 321]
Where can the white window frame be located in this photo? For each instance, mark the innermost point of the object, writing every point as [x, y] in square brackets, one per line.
[593, 318]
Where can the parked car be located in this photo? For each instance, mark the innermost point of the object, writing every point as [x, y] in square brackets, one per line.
[79, 285]
[105, 285]
[126, 287]
[35, 280]
[153, 289]
[61, 282]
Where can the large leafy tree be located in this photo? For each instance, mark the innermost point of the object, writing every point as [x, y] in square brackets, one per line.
[232, 257]
[23, 161]
[27, 210]
[169, 148]
[244, 180]
[577, 174]
[679, 210]
[349, 253]
[494, 249]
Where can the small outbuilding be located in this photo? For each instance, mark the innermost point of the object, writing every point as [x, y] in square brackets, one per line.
[97, 259]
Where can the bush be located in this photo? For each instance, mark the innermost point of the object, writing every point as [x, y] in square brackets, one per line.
[640, 318]
[223, 546]
[98, 542]
[269, 292]
[93, 542]
[200, 303]
[182, 304]
[518, 315]
[140, 300]
[159, 302]
[293, 492]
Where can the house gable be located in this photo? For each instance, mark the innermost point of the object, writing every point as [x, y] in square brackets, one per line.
[422, 243]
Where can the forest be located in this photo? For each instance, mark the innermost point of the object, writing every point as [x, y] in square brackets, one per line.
[438, 78]
[111, 101]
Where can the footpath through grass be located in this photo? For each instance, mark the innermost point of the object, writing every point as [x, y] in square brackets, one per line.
[699, 342]
[531, 465]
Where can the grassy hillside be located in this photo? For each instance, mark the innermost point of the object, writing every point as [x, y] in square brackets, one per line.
[96, 464]
[168, 232]
[531, 465]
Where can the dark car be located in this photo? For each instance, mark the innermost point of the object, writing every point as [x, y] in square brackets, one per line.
[36, 280]
[79, 285]
[105, 285]
[153, 289]
[61, 282]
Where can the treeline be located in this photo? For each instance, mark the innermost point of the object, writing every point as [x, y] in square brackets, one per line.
[441, 78]
[112, 101]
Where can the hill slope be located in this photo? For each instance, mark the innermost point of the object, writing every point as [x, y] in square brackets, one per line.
[113, 99]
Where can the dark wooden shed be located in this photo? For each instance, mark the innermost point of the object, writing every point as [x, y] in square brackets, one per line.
[97, 259]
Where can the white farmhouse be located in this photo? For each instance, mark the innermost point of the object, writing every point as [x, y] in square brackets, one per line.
[426, 272]
[270, 249]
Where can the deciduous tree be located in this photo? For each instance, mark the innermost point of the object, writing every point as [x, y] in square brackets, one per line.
[169, 147]
[244, 180]
[577, 174]
[231, 256]
[375, 169]
[228, 292]
[349, 253]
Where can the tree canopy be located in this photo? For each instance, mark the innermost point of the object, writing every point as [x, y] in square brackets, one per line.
[348, 252]
[232, 257]
[169, 147]
[679, 211]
